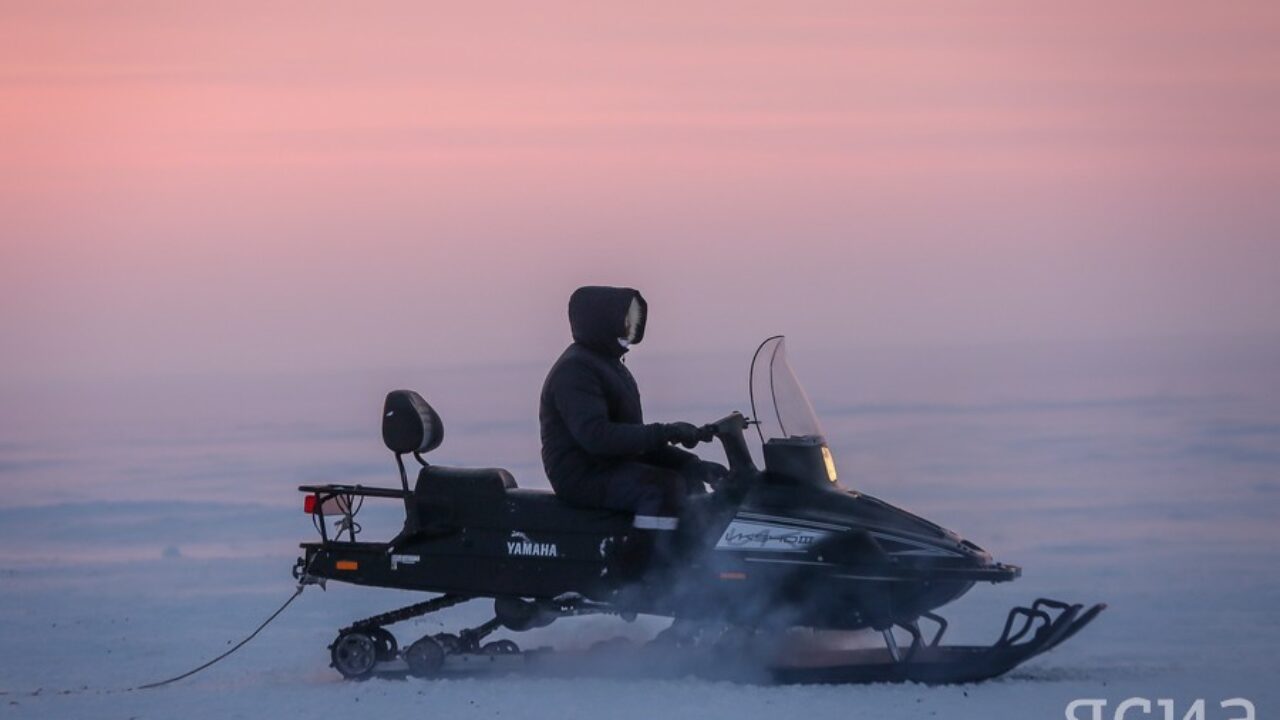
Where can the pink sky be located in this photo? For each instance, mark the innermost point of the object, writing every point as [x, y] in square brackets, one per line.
[249, 185]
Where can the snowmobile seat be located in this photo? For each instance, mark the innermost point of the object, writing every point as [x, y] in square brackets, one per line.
[473, 484]
[541, 510]
[448, 498]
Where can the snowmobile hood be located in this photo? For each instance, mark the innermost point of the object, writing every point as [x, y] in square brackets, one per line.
[598, 318]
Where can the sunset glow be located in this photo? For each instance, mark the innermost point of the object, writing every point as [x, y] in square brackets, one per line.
[242, 185]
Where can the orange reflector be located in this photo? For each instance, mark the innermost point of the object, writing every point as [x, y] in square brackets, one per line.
[347, 565]
[733, 576]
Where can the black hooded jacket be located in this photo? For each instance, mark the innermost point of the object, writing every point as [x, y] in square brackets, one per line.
[590, 407]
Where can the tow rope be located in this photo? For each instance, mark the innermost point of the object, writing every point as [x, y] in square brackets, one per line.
[242, 643]
[187, 674]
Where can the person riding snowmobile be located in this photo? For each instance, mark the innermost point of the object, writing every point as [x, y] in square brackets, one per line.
[596, 448]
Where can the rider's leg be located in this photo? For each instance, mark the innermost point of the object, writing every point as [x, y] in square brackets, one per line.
[655, 495]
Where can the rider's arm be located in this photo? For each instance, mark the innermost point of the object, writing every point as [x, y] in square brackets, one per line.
[579, 399]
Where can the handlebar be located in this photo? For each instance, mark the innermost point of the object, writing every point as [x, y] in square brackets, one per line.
[727, 424]
[730, 429]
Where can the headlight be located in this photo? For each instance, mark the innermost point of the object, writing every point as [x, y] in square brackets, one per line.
[830, 462]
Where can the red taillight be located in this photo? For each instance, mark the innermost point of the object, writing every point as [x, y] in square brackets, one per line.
[309, 505]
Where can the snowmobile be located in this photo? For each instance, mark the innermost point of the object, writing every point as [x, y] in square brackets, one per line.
[768, 551]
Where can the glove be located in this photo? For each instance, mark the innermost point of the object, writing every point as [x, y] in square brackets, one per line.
[687, 434]
[707, 433]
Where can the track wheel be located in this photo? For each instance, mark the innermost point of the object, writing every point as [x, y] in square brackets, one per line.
[425, 657]
[354, 654]
[388, 649]
[449, 642]
[500, 647]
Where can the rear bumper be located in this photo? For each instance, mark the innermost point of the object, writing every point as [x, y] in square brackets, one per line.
[359, 563]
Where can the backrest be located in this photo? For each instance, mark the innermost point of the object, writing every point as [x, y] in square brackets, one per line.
[409, 424]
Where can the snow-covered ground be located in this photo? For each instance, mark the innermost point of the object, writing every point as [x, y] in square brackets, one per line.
[145, 526]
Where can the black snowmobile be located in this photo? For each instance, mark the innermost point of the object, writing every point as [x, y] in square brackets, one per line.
[769, 551]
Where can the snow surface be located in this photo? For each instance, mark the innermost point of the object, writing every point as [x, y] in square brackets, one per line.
[165, 530]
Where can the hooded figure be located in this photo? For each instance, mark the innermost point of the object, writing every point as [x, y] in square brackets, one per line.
[596, 448]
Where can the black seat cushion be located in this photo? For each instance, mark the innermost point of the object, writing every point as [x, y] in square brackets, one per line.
[542, 510]
[451, 498]
[481, 483]
[447, 498]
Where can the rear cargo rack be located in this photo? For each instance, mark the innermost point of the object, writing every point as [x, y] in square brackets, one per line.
[345, 502]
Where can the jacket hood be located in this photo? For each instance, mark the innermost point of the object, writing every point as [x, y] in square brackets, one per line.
[598, 317]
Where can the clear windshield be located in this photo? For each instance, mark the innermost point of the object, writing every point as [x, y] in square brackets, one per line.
[778, 401]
